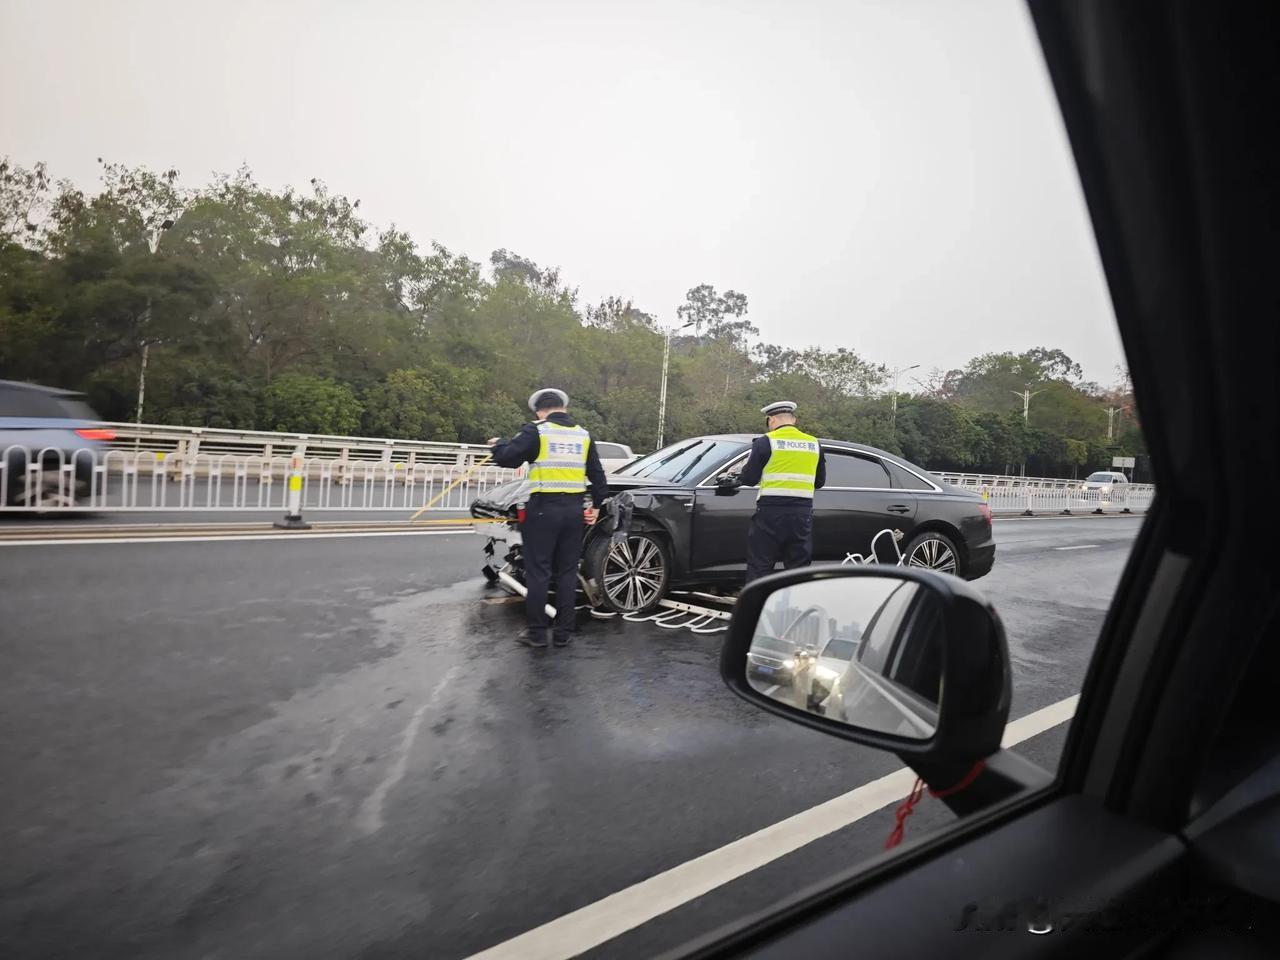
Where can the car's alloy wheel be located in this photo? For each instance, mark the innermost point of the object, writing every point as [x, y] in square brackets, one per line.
[631, 575]
[933, 553]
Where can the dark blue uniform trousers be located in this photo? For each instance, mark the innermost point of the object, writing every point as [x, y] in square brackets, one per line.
[782, 532]
[552, 533]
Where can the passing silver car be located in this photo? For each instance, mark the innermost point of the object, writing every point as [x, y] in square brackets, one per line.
[613, 456]
[52, 427]
[1104, 481]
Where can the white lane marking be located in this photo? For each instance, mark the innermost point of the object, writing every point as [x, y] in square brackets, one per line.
[369, 817]
[596, 923]
[280, 537]
[1082, 546]
[1033, 724]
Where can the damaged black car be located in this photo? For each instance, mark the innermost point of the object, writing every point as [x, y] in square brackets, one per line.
[676, 520]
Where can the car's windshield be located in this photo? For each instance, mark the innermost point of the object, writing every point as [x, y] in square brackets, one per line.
[1101, 478]
[678, 462]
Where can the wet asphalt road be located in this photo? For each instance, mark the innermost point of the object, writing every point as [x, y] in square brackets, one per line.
[333, 749]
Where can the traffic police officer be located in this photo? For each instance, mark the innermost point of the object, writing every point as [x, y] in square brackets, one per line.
[562, 460]
[788, 466]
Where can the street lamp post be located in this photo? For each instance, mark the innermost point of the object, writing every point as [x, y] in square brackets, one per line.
[1111, 422]
[153, 241]
[893, 403]
[662, 393]
[1026, 395]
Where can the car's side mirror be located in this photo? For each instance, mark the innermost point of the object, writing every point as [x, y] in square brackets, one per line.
[905, 660]
[726, 484]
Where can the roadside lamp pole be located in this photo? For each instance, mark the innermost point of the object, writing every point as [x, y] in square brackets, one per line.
[662, 393]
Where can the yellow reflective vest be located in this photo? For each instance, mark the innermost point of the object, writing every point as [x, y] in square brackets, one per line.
[561, 466]
[792, 469]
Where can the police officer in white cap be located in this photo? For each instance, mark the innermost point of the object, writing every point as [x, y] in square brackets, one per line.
[563, 462]
[788, 466]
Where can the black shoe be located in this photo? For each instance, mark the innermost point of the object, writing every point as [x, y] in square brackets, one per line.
[562, 641]
[532, 638]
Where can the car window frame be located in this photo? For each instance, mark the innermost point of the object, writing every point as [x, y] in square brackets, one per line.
[858, 454]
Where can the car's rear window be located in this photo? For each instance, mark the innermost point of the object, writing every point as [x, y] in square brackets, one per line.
[29, 403]
[76, 409]
[610, 451]
[904, 479]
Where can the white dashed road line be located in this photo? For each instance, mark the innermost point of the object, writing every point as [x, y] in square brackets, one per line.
[1082, 546]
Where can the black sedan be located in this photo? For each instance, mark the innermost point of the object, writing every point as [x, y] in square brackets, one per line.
[679, 527]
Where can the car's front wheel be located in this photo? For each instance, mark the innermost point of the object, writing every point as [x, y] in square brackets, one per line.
[631, 576]
[49, 493]
[933, 551]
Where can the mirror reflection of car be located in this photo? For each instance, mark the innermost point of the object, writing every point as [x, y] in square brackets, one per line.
[828, 667]
[892, 682]
[773, 660]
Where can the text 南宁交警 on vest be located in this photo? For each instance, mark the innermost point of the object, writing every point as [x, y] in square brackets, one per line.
[561, 457]
[561, 464]
[787, 465]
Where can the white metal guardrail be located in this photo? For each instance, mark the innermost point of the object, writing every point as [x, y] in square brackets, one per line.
[997, 481]
[102, 479]
[123, 480]
[191, 442]
[1122, 498]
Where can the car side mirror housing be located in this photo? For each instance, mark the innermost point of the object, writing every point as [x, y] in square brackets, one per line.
[904, 660]
[726, 484]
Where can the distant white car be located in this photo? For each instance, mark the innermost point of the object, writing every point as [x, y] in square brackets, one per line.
[614, 455]
[1105, 481]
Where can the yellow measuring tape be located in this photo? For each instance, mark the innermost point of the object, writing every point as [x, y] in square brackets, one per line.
[439, 496]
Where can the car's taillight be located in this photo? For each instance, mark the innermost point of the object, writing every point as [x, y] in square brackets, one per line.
[986, 512]
[520, 514]
[94, 433]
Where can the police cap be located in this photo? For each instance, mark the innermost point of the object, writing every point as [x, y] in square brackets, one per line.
[782, 406]
[546, 398]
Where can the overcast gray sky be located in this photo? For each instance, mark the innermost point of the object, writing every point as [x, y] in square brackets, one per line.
[887, 176]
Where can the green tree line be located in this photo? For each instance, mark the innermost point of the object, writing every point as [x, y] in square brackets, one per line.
[248, 307]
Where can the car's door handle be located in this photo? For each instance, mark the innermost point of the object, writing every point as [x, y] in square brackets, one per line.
[899, 508]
